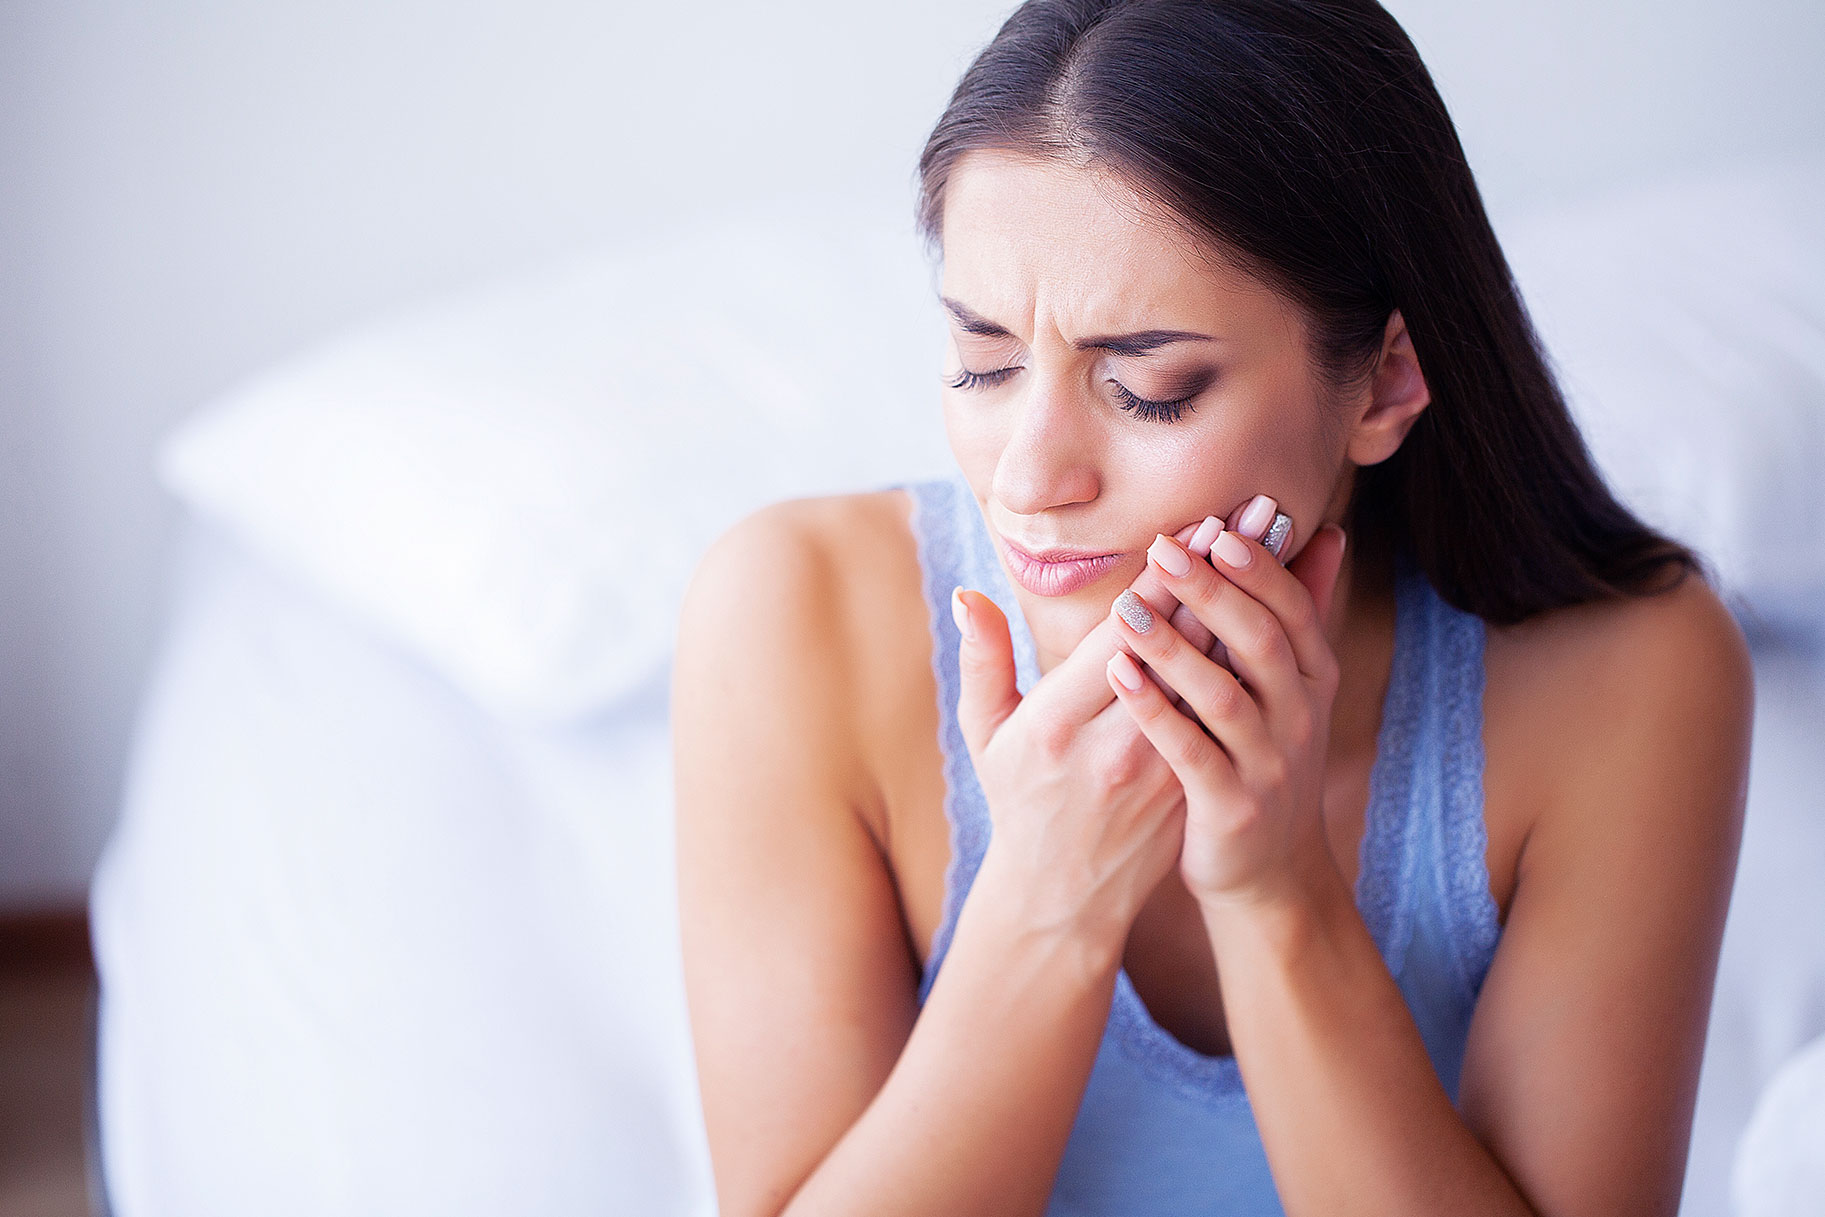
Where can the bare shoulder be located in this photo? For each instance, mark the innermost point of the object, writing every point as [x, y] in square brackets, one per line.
[825, 589]
[818, 568]
[1618, 690]
[790, 922]
[1627, 724]
[1689, 612]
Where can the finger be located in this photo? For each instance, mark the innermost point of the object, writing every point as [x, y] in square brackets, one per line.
[1194, 631]
[986, 692]
[1260, 652]
[1075, 690]
[1290, 593]
[1187, 623]
[1260, 525]
[1183, 619]
[1256, 520]
[1216, 698]
[1195, 758]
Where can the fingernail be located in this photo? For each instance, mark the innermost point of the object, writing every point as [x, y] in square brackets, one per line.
[1275, 539]
[1201, 539]
[1232, 549]
[1256, 517]
[1133, 610]
[1170, 557]
[1126, 672]
[962, 613]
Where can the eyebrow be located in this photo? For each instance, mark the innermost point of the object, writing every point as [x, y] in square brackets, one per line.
[1138, 343]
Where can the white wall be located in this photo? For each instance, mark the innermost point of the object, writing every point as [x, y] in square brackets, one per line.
[192, 190]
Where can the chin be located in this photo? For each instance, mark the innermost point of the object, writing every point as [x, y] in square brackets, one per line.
[1059, 623]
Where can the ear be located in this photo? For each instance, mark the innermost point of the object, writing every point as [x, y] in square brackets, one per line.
[1397, 394]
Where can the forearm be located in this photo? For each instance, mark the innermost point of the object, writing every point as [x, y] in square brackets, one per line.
[1352, 1115]
[975, 1114]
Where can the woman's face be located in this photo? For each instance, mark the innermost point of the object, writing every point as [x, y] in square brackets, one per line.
[1089, 296]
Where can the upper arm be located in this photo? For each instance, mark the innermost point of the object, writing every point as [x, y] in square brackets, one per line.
[800, 987]
[1583, 1058]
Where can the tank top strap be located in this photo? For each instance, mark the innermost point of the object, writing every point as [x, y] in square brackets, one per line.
[1460, 844]
[955, 551]
[1423, 860]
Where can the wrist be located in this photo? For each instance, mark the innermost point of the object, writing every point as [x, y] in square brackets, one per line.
[1285, 915]
[1014, 913]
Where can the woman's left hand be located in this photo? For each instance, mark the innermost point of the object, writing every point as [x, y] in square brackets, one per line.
[1252, 761]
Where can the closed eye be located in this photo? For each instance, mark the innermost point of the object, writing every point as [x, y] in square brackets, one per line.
[1158, 411]
[966, 379]
[1142, 407]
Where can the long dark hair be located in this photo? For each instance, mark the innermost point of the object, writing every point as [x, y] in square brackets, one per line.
[1307, 141]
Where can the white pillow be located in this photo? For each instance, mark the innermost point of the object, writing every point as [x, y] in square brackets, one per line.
[1687, 321]
[518, 481]
[1780, 1162]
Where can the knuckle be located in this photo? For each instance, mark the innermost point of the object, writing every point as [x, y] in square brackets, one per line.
[1121, 768]
[1265, 636]
[1162, 643]
[1247, 814]
[1273, 771]
[1052, 740]
[1302, 616]
[1225, 697]
[1301, 730]
[1188, 747]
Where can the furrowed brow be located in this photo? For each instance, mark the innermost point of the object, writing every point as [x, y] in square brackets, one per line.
[1139, 343]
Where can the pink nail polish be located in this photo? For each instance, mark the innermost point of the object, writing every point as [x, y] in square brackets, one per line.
[1126, 671]
[1171, 558]
[1201, 539]
[1256, 517]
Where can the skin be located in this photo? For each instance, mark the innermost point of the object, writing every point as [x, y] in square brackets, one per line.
[1208, 846]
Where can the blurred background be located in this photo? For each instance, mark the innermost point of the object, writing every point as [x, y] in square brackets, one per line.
[193, 190]
[193, 193]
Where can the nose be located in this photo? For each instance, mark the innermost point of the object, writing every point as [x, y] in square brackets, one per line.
[1049, 459]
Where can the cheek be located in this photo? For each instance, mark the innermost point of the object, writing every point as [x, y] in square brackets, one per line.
[973, 442]
[1276, 448]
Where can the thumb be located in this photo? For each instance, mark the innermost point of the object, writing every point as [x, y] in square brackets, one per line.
[985, 663]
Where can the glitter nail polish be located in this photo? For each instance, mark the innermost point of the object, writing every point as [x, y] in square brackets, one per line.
[1278, 533]
[1131, 608]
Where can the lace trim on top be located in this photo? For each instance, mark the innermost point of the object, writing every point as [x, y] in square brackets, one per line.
[948, 559]
[1464, 859]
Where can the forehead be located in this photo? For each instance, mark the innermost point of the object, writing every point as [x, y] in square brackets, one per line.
[1022, 233]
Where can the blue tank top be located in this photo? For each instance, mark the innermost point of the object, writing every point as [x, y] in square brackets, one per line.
[1165, 1129]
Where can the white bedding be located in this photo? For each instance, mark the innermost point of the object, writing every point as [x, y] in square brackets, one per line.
[367, 951]
[388, 924]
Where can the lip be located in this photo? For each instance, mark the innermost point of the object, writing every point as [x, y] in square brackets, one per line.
[1059, 572]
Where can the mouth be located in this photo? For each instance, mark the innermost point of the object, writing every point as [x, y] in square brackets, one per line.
[1056, 572]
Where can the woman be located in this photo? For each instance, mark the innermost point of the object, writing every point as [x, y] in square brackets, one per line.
[1159, 877]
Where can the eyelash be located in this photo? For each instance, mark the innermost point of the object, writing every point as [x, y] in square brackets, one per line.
[1153, 411]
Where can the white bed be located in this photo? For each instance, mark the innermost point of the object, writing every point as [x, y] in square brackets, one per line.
[366, 950]
[387, 925]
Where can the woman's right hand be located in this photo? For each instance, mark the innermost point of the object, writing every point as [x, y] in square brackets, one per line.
[1087, 818]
